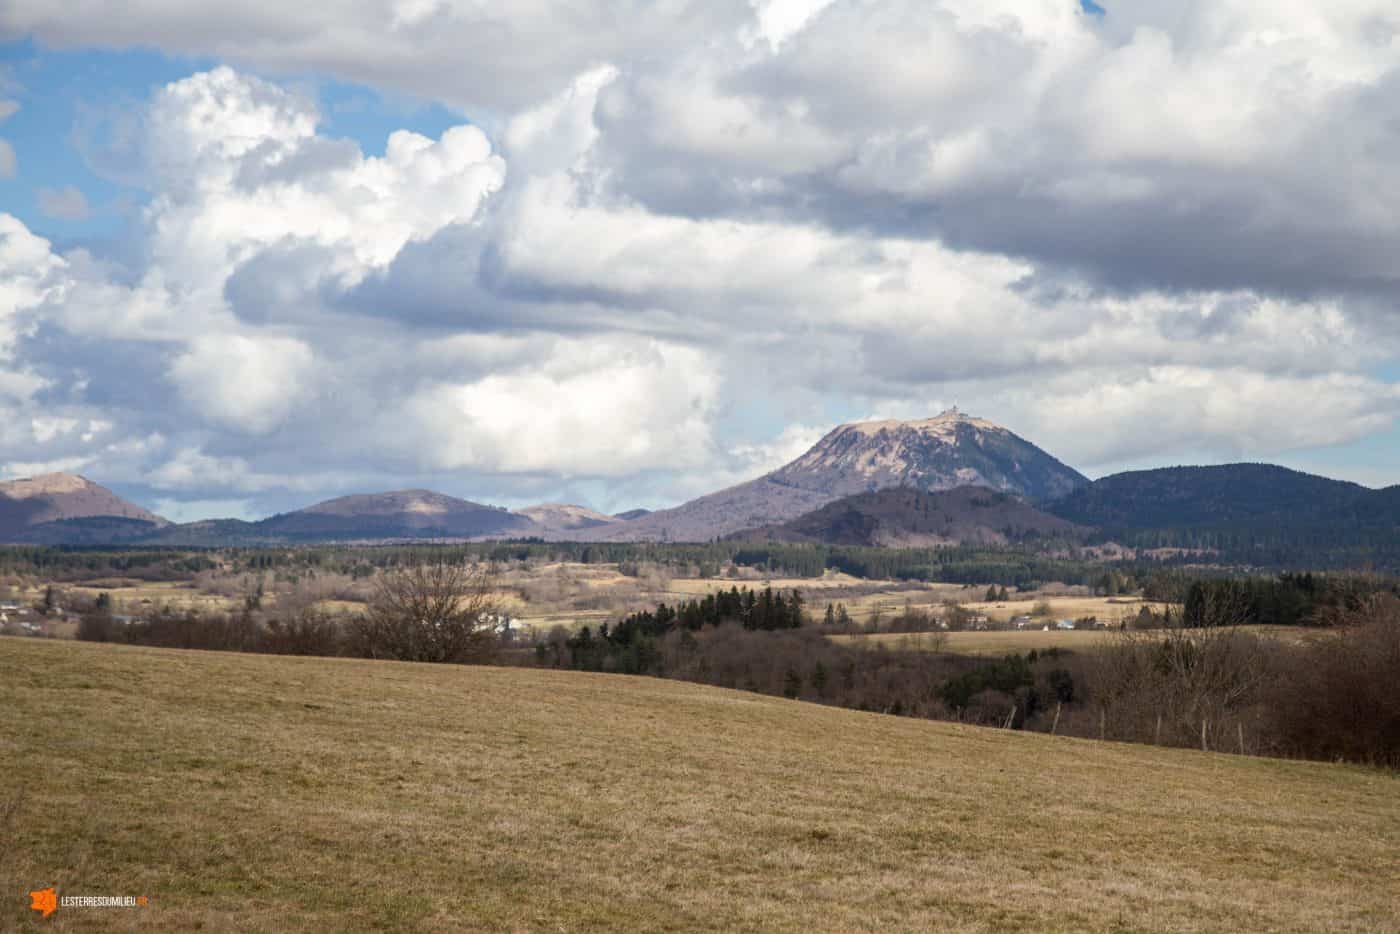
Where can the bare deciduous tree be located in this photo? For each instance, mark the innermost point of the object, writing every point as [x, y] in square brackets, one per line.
[436, 612]
[1181, 686]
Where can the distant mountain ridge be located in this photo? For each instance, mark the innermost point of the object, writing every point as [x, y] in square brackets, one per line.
[905, 517]
[401, 514]
[953, 478]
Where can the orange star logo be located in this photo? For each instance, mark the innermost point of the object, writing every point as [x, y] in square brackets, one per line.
[44, 901]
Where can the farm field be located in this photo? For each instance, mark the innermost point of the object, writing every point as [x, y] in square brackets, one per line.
[570, 594]
[136, 596]
[1022, 641]
[262, 793]
[981, 643]
[1110, 610]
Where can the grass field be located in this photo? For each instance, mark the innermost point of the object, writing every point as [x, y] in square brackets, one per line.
[255, 793]
[140, 597]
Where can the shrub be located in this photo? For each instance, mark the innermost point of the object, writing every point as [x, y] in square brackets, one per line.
[1336, 697]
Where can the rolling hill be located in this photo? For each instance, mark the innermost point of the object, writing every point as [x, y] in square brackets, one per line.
[403, 514]
[905, 517]
[1251, 515]
[950, 450]
[62, 508]
[1255, 494]
[339, 794]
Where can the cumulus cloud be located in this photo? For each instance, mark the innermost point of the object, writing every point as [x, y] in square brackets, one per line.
[594, 407]
[248, 383]
[1188, 410]
[1167, 229]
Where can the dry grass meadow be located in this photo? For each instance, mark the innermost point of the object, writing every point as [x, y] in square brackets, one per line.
[982, 643]
[256, 793]
[1011, 642]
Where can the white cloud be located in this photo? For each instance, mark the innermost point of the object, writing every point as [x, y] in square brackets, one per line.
[66, 203]
[15, 470]
[177, 510]
[1236, 413]
[247, 383]
[241, 169]
[597, 407]
[192, 470]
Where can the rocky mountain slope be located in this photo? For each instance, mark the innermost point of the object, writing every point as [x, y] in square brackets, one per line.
[941, 453]
[906, 517]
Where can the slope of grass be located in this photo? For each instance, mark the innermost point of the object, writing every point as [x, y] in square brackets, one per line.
[270, 794]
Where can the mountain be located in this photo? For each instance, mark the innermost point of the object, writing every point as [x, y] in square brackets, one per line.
[562, 517]
[1228, 494]
[632, 514]
[951, 450]
[65, 508]
[400, 514]
[905, 517]
[939, 453]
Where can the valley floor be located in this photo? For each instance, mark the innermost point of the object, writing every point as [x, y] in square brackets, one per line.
[257, 793]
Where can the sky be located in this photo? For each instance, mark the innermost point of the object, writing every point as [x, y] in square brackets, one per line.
[625, 252]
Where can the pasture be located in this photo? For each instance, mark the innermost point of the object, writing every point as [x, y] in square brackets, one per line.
[261, 793]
